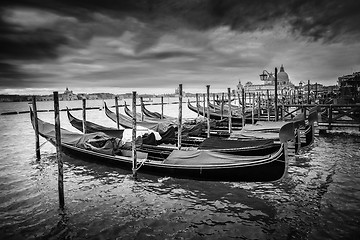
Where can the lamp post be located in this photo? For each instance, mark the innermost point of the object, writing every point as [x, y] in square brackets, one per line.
[264, 77]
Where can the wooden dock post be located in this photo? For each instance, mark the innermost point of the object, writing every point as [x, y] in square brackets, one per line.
[308, 93]
[222, 106]
[180, 116]
[37, 140]
[243, 106]
[253, 109]
[276, 96]
[197, 104]
[268, 104]
[330, 116]
[204, 113]
[134, 165]
[208, 109]
[142, 112]
[229, 101]
[117, 112]
[244, 102]
[84, 114]
[259, 106]
[58, 152]
[214, 101]
[162, 107]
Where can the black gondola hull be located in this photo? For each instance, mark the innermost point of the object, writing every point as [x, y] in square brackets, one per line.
[272, 171]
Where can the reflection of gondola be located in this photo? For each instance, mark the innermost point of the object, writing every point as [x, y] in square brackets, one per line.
[192, 164]
[246, 148]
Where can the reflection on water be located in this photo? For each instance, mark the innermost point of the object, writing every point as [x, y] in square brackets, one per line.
[319, 198]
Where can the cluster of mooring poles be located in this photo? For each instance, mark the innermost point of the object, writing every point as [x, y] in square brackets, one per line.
[206, 101]
[242, 104]
[58, 134]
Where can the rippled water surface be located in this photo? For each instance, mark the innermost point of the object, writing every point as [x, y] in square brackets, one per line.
[319, 198]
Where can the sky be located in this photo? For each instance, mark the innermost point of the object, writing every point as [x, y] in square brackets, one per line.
[152, 46]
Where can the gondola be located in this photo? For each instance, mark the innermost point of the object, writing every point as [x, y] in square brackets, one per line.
[126, 122]
[217, 127]
[189, 129]
[145, 118]
[190, 164]
[166, 138]
[216, 115]
[235, 111]
[93, 127]
[264, 129]
[154, 115]
[246, 148]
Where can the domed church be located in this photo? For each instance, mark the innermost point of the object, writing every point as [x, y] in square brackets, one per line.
[283, 77]
[283, 82]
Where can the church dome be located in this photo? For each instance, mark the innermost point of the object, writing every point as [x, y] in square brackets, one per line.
[283, 77]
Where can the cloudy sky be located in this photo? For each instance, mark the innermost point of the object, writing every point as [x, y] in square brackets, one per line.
[153, 45]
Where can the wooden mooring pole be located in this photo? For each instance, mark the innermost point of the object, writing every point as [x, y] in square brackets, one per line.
[134, 165]
[229, 101]
[243, 106]
[142, 112]
[308, 93]
[259, 106]
[180, 116]
[208, 109]
[117, 112]
[37, 140]
[268, 104]
[330, 116]
[197, 104]
[162, 107]
[84, 115]
[253, 109]
[222, 106]
[213, 101]
[58, 151]
[276, 96]
[204, 113]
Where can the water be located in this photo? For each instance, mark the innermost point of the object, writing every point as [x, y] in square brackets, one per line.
[319, 199]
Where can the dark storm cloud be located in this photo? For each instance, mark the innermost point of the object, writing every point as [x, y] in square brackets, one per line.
[330, 21]
[327, 20]
[321, 19]
[75, 23]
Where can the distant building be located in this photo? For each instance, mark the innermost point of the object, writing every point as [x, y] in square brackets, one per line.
[349, 88]
[68, 95]
[177, 91]
[45, 98]
[283, 83]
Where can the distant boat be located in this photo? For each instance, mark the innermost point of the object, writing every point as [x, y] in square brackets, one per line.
[148, 100]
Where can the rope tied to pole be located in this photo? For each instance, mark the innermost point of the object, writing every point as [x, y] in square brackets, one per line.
[140, 164]
[48, 140]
